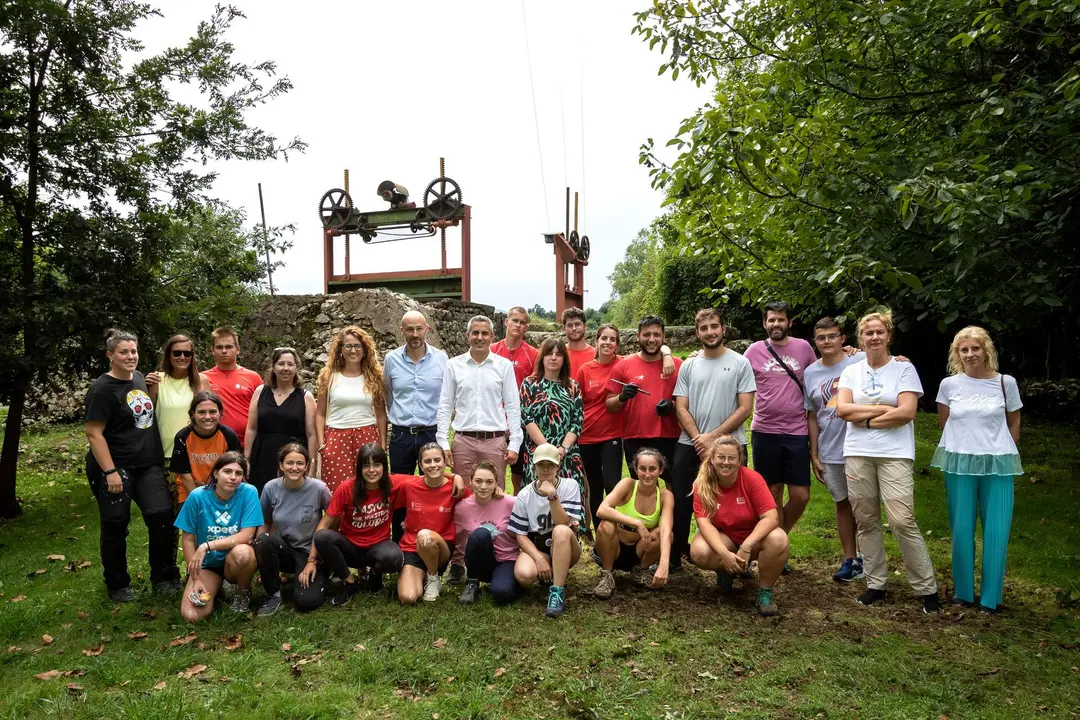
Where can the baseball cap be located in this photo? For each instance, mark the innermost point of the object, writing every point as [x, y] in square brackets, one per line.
[546, 453]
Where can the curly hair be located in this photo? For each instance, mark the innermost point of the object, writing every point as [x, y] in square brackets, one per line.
[370, 367]
[979, 335]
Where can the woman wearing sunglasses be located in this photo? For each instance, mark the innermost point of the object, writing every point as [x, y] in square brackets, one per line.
[173, 386]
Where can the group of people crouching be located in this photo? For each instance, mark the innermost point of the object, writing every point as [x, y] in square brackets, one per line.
[298, 527]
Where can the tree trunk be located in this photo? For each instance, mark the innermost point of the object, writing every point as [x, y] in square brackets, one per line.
[9, 456]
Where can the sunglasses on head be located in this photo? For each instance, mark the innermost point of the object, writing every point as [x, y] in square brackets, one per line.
[182, 353]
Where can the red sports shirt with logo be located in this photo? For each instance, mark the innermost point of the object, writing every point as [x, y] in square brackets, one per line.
[523, 358]
[639, 418]
[600, 425]
[739, 508]
[426, 508]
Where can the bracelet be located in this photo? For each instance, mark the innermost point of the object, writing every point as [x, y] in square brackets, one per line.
[866, 423]
[311, 560]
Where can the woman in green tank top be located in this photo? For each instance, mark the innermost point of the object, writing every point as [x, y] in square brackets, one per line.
[635, 527]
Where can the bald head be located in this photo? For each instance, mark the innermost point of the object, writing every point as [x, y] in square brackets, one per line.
[414, 328]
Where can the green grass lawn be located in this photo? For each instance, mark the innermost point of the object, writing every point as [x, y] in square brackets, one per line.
[682, 652]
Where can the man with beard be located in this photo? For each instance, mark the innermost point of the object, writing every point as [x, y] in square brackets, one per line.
[522, 357]
[779, 433]
[639, 392]
[414, 378]
[713, 396]
[579, 351]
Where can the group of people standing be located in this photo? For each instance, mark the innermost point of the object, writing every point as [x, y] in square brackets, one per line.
[399, 467]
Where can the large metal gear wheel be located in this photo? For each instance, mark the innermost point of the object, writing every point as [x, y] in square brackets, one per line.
[583, 251]
[334, 208]
[442, 199]
[573, 241]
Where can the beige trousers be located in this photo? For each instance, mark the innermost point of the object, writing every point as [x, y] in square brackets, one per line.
[871, 482]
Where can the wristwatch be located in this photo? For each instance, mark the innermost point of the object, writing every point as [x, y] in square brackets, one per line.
[866, 423]
[110, 471]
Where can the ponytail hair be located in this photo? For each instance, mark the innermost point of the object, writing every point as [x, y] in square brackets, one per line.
[114, 337]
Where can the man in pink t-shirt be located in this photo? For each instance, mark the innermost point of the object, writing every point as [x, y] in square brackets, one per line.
[779, 436]
[233, 383]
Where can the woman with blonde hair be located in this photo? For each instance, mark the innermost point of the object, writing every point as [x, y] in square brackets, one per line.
[350, 403]
[737, 523]
[979, 413]
[878, 397]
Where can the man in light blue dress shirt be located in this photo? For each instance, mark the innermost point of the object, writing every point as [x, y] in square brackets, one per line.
[414, 377]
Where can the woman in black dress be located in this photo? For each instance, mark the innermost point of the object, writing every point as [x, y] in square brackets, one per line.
[281, 412]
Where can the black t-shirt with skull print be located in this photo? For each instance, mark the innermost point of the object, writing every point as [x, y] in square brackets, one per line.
[128, 413]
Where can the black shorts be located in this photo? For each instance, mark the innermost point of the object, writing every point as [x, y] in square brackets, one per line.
[518, 468]
[414, 559]
[218, 570]
[782, 459]
[627, 558]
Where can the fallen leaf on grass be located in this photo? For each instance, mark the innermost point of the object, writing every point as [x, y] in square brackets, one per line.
[234, 642]
[74, 688]
[295, 671]
[286, 647]
[85, 564]
[116, 610]
[138, 634]
[82, 615]
[440, 643]
[161, 685]
[434, 716]
[55, 558]
[992, 671]
[47, 639]
[451, 679]
[40, 571]
[18, 598]
[490, 687]
[50, 675]
[191, 671]
[13, 648]
[499, 672]
[182, 640]
[94, 651]
[359, 647]
[654, 644]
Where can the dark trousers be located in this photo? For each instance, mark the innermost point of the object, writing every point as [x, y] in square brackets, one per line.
[666, 446]
[147, 487]
[339, 554]
[480, 565]
[683, 475]
[603, 469]
[276, 556]
[404, 455]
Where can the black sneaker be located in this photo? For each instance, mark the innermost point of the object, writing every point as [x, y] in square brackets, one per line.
[122, 595]
[960, 602]
[374, 582]
[930, 604]
[345, 593]
[870, 597]
[468, 595]
[456, 575]
[168, 588]
[271, 606]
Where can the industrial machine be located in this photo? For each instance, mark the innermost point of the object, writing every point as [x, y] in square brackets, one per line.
[571, 257]
[441, 208]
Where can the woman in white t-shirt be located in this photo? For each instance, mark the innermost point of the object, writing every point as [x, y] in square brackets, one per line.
[350, 405]
[979, 412]
[879, 397]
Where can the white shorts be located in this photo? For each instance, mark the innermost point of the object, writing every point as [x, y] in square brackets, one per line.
[836, 481]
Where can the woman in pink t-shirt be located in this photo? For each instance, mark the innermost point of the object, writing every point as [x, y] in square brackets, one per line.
[737, 523]
[490, 550]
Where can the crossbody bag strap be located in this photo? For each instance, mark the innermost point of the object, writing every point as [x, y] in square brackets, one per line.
[1004, 397]
[790, 372]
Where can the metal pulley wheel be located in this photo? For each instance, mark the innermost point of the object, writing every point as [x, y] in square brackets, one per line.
[442, 199]
[573, 241]
[583, 251]
[334, 208]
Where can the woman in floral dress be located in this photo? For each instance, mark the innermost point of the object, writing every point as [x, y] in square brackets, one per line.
[552, 411]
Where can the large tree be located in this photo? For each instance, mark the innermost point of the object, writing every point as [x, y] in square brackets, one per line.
[98, 159]
[922, 154]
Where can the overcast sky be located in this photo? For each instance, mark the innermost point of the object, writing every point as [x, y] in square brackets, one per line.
[385, 89]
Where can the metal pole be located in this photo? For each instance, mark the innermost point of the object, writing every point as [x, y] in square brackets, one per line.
[348, 203]
[442, 189]
[266, 243]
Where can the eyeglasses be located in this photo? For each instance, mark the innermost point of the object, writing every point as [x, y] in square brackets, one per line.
[828, 338]
[352, 346]
[727, 458]
[182, 353]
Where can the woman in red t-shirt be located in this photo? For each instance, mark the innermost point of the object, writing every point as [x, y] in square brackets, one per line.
[737, 522]
[428, 541]
[355, 531]
[600, 442]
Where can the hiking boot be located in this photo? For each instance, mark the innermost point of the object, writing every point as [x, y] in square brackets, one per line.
[271, 606]
[850, 569]
[871, 596]
[930, 604]
[241, 602]
[724, 582]
[456, 576]
[786, 570]
[122, 595]
[432, 588]
[766, 606]
[468, 595]
[556, 604]
[606, 586]
[641, 575]
[345, 593]
[168, 588]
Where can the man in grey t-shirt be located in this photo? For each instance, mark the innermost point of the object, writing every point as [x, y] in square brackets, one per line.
[714, 394]
[821, 380]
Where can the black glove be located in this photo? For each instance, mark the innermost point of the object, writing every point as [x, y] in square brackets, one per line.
[665, 408]
[629, 390]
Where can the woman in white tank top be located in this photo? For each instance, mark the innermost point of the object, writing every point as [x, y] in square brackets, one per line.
[350, 405]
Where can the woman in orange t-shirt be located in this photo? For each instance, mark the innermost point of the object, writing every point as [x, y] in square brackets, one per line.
[198, 446]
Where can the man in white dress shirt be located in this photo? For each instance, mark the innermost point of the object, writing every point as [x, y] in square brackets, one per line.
[480, 392]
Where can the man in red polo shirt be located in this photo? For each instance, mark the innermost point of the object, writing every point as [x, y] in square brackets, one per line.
[577, 349]
[233, 383]
[638, 391]
[522, 356]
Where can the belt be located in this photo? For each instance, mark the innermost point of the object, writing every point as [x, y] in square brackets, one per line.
[481, 434]
[418, 430]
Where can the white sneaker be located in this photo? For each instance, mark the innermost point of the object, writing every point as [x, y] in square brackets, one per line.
[432, 588]
[606, 586]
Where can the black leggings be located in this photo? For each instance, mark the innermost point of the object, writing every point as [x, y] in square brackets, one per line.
[275, 556]
[340, 554]
[482, 566]
[603, 469]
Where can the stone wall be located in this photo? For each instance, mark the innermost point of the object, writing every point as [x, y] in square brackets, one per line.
[679, 337]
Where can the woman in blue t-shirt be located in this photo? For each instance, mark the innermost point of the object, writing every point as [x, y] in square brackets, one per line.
[219, 521]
